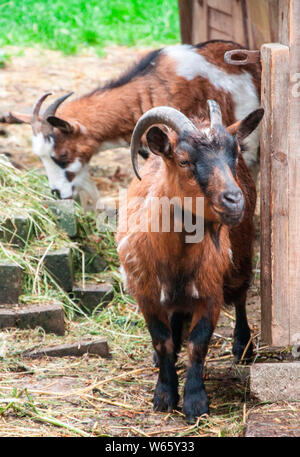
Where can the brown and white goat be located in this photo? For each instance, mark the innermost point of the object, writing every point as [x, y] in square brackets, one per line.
[181, 76]
[170, 278]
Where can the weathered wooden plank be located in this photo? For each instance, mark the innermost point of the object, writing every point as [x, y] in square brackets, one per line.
[186, 20]
[263, 15]
[294, 172]
[200, 21]
[239, 23]
[219, 20]
[221, 5]
[214, 34]
[274, 195]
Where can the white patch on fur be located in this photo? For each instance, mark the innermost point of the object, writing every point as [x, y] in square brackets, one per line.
[192, 290]
[190, 64]
[44, 149]
[117, 143]
[163, 295]
[75, 166]
[207, 132]
[122, 242]
[123, 276]
[230, 255]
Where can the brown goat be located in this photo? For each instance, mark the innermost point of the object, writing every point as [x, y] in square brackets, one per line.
[181, 76]
[171, 278]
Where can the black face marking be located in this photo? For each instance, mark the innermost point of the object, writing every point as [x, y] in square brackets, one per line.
[61, 163]
[206, 154]
[214, 232]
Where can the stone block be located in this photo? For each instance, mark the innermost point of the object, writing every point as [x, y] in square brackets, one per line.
[93, 295]
[99, 347]
[10, 283]
[16, 230]
[272, 382]
[49, 317]
[59, 264]
[66, 215]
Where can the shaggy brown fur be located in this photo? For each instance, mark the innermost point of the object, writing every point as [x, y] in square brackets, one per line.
[169, 277]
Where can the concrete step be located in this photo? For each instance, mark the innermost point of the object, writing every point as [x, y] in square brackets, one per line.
[66, 214]
[59, 264]
[93, 295]
[273, 382]
[99, 347]
[94, 263]
[10, 283]
[16, 230]
[49, 317]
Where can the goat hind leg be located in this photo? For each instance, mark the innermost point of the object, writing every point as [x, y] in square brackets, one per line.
[242, 333]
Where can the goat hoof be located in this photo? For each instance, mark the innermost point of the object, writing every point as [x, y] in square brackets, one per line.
[165, 398]
[238, 351]
[195, 406]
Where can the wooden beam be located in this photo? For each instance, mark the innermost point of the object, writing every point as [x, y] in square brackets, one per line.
[274, 195]
[186, 20]
[294, 171]
[280, 182]
[200, 21]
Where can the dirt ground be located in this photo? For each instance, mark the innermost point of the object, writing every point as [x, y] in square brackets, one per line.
[25, 78]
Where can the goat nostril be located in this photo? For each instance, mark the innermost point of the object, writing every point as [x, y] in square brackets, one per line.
[55, 192]
[231, 198]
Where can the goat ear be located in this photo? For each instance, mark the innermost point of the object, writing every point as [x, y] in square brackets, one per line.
[63, 126]
[158, 142]
[243, 128]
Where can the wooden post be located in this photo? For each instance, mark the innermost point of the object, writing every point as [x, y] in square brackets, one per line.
[274, 194]
[280, 182]
[186, 20]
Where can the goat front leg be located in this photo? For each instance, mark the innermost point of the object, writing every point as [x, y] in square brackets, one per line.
[176, 322]
[195, 398]
[166, 392]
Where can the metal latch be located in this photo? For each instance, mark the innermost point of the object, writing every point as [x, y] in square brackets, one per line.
[242, 57]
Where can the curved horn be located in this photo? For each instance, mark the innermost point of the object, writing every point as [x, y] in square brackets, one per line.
[47, 128]
[51, 110]
[35, 120]
[158, 115]
[214, 113]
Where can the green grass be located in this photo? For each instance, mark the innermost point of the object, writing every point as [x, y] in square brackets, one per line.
[70, 25]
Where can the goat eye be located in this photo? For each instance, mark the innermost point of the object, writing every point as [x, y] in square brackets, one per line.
[184, 163]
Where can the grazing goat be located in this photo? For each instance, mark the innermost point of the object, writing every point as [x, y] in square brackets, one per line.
[181, 76]
[171, 278]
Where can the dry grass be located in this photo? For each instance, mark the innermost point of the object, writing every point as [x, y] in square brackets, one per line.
[90, 396]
